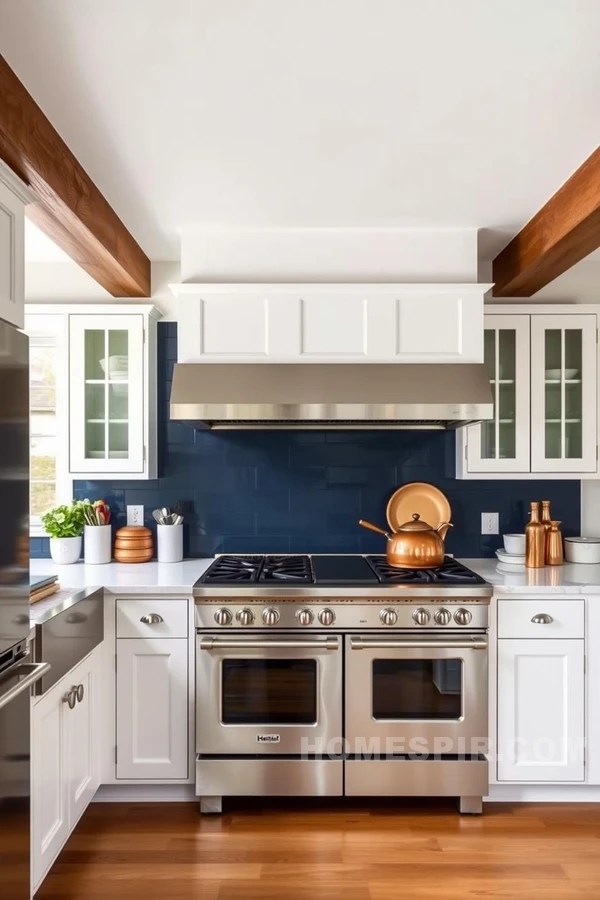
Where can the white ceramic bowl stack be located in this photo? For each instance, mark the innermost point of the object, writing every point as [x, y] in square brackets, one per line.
[582, 550]
[513, 553]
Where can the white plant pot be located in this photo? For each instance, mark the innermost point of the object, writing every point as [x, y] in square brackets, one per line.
[65, 551]
[97, 546]
[170, 543]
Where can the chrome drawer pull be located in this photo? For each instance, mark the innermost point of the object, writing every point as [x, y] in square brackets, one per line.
[542, 619]
[152, 619]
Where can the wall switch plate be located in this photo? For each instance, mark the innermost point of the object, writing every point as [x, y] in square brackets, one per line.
[135, 515]
[489, 523]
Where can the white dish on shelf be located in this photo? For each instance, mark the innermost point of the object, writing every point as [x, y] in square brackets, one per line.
[113, 454]
[514, 544]
[118, 366]
[511, 559]
[556, 374]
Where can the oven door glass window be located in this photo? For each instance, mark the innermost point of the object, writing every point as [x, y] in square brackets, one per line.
[417, 689]
[269, 692]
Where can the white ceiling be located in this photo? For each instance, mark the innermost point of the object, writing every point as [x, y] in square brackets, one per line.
[281, 113]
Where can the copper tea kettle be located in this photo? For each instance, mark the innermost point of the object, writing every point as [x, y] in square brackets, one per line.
[416, 545]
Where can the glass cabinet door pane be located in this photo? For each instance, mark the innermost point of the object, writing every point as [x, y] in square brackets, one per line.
[95, 353]
[118, 355]
[417, 689]
[573, 394]
[563, 362]
[498, 436]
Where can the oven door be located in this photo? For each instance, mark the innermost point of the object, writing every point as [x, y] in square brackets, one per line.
[420, 694]
[268, 694]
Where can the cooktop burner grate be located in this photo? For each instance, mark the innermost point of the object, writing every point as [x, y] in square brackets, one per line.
[233, 569]
[289, 569]
[451, 572]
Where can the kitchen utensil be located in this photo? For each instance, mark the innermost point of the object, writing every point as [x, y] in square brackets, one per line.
[582, 549]
[535, 540]
[133, 543]
[511, 559]
[556, 374]
[415, 545]
[177, 519]
[158, 516]
[514, 544]
[554, 545]
[418, 497]
[166, 514]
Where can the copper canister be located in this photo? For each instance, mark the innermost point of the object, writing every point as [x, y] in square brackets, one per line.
[133, 544]
[554, 545]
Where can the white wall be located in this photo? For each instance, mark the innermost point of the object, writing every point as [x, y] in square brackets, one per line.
[329, 254]
[66, 282]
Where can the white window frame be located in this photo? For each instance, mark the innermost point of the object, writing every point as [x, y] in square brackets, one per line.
[56, 324]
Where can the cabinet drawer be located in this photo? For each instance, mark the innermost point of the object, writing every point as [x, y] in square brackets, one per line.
[173, 615]
[515, 618]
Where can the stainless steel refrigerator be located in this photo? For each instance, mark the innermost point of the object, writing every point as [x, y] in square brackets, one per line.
[17, 673]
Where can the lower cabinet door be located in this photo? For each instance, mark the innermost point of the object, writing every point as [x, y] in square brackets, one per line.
[49, 784]
[541, 710]
[83, 771]
[152, 708]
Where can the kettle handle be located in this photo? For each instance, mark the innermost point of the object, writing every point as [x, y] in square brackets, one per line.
[374, 528]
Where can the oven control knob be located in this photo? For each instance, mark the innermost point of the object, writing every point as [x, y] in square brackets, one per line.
[421, 616]
[270, 616]
[327, 617]
[245, 616]
[304, 616]
[388, 616]
[442, 617]
[223, 617]
[462, 616]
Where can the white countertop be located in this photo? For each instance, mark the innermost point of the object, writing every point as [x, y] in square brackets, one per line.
[122, 578]
[178, 578]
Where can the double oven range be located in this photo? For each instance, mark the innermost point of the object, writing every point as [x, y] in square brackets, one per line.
[337, 675]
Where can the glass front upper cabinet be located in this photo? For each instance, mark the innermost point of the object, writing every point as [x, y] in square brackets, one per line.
[563, 393]
[502, 443]
[107, 393]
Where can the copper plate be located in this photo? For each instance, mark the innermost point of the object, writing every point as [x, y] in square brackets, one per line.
[429, 502]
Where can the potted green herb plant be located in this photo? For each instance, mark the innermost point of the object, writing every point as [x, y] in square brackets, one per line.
[64, 524]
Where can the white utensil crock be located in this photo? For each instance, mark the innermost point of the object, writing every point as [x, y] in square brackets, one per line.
[170, 543]
[65, 551]
[97, 547]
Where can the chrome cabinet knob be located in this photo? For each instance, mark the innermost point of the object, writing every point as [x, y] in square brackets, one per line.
[388, 616]
[152, 619]
[542, 619]
[223, 617]
[421, 616]
[327, 617]
[304, 617]
[71, 698]
[462, 616]
[245, 616]
[442, 617]
[270, 616]
[80, 691]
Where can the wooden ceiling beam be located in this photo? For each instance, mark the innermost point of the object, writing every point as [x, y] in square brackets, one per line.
[69, 208]
[563, 232]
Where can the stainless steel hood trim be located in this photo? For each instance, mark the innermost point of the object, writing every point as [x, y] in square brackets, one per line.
[327, 395]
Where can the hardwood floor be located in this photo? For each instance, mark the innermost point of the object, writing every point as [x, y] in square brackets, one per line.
[315, 850]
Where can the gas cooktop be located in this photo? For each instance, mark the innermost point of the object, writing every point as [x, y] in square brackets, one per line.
[335, 570]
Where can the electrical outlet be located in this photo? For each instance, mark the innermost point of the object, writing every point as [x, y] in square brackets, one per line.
[135, 515]
[489, 523]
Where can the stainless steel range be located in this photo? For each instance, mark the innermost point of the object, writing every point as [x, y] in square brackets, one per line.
[339, 675]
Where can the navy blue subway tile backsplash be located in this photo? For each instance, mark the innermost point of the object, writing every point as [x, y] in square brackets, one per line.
[280, 491]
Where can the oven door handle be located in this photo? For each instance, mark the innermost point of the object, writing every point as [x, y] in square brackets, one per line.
[391, 644]
[206, 643]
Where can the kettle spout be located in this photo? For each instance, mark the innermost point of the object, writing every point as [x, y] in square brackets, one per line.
[442, 529]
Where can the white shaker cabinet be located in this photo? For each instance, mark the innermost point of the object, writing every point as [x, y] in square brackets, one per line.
[152, 708]
[543, 367]
[541, 690]
[13, 198]
[316, 323]
[109, 381]
[65, 771]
